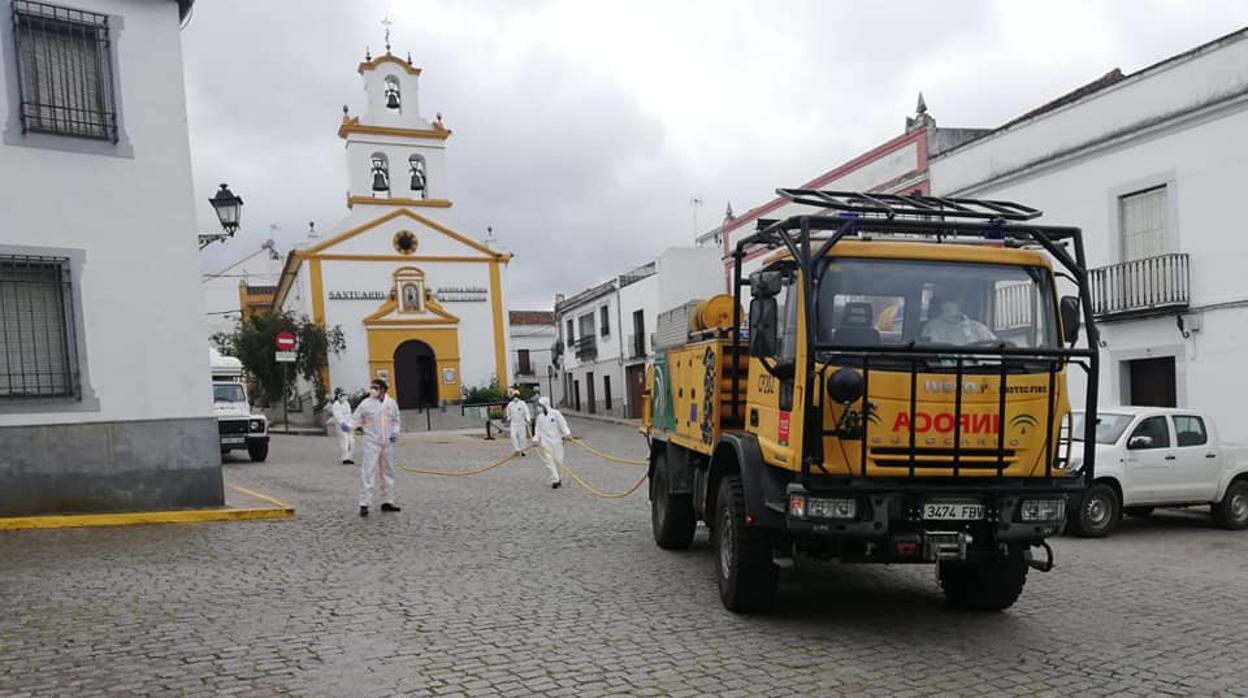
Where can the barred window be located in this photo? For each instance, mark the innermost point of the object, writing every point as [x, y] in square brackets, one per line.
[65, 76]
[37, 342]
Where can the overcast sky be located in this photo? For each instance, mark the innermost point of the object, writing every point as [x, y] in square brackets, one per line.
[582, 130]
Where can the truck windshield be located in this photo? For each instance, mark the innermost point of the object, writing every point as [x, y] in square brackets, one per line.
[228, 392]
[892, 302]
[1108, 427]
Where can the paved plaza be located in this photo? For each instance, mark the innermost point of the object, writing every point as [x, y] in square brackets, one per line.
[497, 585]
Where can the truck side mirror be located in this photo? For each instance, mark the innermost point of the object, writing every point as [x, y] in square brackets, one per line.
[1069, 308]
[763, 326]
[765, 284]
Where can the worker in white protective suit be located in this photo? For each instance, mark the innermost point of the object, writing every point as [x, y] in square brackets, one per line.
[341, 411]
[377, 419]
[518, 417]
[549, 431]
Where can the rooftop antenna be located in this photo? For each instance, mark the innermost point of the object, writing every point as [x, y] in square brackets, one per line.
[694, 202]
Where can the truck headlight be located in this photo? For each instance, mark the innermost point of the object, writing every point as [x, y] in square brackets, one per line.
[1042, 510]
[803, 507]
[257, 426]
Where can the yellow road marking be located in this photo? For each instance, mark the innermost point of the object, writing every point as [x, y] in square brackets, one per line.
[275, 502]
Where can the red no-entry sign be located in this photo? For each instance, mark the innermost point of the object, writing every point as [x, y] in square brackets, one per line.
[285, 341]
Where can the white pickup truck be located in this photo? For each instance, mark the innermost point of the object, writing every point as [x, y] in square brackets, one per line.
[1148, 457]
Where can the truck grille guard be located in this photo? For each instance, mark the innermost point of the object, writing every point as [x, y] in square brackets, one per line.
[959, 457]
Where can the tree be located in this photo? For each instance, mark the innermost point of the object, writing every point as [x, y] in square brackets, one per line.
[252, 342]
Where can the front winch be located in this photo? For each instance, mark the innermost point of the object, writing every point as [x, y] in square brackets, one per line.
[945, 545]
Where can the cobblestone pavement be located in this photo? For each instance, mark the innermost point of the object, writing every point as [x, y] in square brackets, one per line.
[497, 585]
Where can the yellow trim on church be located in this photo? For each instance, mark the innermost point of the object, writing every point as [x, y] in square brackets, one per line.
[500, 335]
[396, 201]
[444, 341]
[351, 124]
[343, 237]
[388, 58]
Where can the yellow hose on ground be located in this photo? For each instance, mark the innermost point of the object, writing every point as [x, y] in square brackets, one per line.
[606, 456]
[571, 474]
[460, 473]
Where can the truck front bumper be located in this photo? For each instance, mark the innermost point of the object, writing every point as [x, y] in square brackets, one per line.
[883, 513]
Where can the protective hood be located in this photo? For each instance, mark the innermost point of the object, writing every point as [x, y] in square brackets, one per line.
[544, 401]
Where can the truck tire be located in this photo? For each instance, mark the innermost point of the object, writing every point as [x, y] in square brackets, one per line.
[671, 515]
[1232, 512]
[743, 564]
[258, 451]
[985, 585]
[1098, 512]
[1138, 512]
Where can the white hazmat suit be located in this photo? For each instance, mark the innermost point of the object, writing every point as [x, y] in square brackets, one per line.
[343, 423]
[379, 420]
[549, 430]
[518, 417]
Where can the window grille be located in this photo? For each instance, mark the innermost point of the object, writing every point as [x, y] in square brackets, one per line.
[37, 343]
[65, 83]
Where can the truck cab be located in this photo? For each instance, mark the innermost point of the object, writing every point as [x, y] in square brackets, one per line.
[238, 427]
[896, 396]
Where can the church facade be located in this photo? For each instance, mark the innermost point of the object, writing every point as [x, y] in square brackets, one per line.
[420, 303]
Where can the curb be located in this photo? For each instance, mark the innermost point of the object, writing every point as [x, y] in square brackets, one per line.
[280, 510]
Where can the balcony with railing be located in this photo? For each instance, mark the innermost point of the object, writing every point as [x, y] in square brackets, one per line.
[522, 367]
[587, 348]
[1141, 287]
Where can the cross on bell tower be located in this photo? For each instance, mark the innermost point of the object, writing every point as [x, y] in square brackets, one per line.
[386, 23]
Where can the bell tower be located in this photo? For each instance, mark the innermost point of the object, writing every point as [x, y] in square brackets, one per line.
[395, 156]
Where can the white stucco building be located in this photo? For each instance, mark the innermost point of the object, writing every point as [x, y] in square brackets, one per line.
[105, 397]
[605, 331]
[533, 339]
[1149, 165]
[420, 303]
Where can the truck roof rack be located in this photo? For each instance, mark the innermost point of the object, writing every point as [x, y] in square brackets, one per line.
[892, 205]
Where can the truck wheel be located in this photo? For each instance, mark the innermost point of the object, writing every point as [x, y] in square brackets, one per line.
[747, 578]
[1232, 511]
[1138, 512]
[671, 515]
[985, 585]
[1098, 512]
[258, 451]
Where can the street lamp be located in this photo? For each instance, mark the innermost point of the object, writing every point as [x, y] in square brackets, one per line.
[229, 209]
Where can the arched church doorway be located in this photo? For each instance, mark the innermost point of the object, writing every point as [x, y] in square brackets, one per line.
[415, 375]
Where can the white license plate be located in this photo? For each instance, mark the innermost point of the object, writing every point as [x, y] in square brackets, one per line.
[234, 440]
[952, 511]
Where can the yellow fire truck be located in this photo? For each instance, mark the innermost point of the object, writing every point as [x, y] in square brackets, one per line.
[897, 396]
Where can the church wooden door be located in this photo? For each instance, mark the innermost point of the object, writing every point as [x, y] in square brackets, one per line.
[415, 375]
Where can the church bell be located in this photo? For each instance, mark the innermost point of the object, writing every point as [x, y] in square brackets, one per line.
[392, 99]
[379, 181]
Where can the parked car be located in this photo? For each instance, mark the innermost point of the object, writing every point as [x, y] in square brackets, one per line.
[1148, 457]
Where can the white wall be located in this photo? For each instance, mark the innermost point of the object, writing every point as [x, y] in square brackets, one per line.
[1202, 158]
[144, 333]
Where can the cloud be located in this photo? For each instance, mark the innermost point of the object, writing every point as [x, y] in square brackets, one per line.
[583, 129]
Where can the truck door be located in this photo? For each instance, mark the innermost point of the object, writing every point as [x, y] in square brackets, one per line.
[1150, 462]
[1197, 467]
[772, 414]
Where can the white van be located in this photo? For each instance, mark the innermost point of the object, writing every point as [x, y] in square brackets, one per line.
[238, 427]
